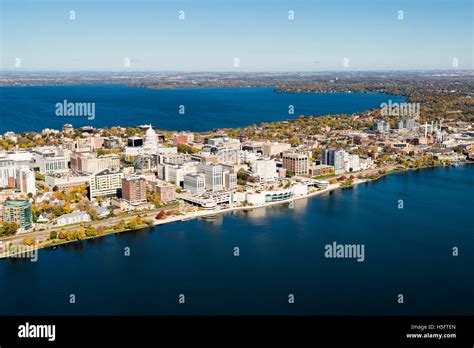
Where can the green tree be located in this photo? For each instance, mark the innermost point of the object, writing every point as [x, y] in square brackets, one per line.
[8, 228]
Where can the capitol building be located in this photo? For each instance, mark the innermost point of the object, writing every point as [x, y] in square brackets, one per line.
[147, 146]
[150, 142]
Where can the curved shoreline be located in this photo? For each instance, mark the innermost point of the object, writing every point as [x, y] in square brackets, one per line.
[204, 213]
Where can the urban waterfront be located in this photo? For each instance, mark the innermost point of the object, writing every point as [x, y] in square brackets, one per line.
[407, 251]
[33, 108]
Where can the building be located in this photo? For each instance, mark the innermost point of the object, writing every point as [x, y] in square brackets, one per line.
[213, 175]
[275, 149]
[7, 173]
[352, 163]
[407, 123]
[91, 163]
[73, 218]
[17, 211]
[145, 163]
[134, 146]
[183, 138]
[106, 184]
[150, 142]
[112, 143]
[224, 141]
[335, 158]
[134, 190]
[381, 126]
[167, 193]
[67, 181]
[173, 158]
[223, 154]
[49, 163]
[264, 169]
[171, 173]
[320, 170]
[68, 128]
[297, 163]
[230, 180]
[135, 142]
[253, 146]
[195, 183]
[25, 180]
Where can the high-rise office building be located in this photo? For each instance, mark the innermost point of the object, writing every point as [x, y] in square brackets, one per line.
[25, 180]
[195, 183]
[334, 157]
[7, 173]
[230, 180]
[265, 169]
[106, 183]
[167, 193]
[134, 190]
[296, 163]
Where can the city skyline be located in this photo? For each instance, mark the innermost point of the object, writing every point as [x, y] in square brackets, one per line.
[216, 36]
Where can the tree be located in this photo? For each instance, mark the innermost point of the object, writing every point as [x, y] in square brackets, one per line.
[91, 231]
[53, 235]
[161, 215]
[8, 228]
[29, 241]
[39, 177]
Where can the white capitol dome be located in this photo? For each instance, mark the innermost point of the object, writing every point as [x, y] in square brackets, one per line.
[150, 143]
[150, 133]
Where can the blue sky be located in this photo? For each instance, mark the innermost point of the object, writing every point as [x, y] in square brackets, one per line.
[214, 33]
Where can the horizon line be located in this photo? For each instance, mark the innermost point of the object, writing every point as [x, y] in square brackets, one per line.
[237, 72]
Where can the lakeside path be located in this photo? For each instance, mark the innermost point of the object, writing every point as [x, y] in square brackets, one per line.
[44, 234]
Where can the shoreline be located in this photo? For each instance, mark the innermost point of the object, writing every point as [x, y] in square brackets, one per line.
[192, 216]
[204, 213]
[200, 214]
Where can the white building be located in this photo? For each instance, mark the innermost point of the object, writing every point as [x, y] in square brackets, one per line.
[195, 183]
[265, 169]
[175, 173]
[73, 218]
[214, 177]
[230, 180]
[261, 197]
[352, 163]
[20, 156]
[248, 157]
[51, 163]
[150, 142]
[161, 150]
[25, 180]
[64, 181]
[275, 148]
[7, 173]
[91, 163]
[366, 163]
[105, 183]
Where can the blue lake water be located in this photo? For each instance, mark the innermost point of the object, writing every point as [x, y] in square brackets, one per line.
[407, 251]
[33, 108]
